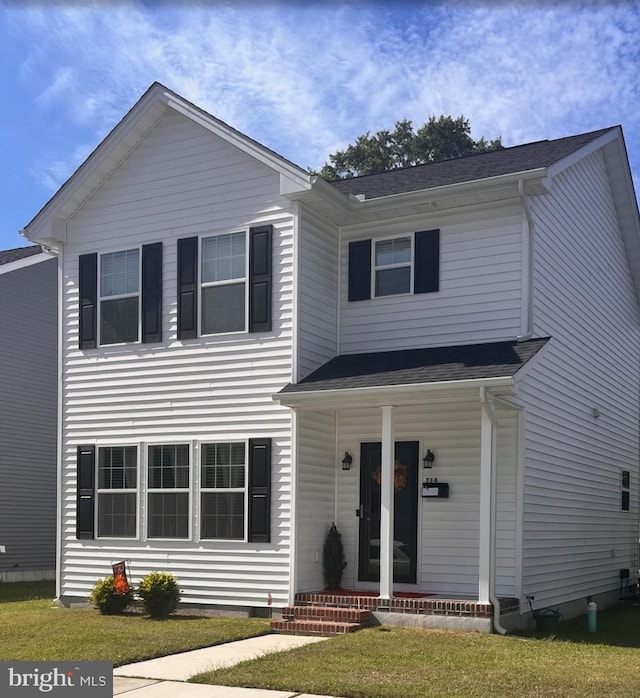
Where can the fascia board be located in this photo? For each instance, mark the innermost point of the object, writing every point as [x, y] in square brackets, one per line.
[584, 151]
[373, 396]
[458, 188]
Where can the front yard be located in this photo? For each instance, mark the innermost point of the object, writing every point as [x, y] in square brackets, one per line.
[374, 663]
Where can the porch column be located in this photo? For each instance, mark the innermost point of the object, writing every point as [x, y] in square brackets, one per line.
[386, 504]
[486, 475]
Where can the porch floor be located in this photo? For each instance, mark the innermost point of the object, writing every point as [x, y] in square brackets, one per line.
[405, 602]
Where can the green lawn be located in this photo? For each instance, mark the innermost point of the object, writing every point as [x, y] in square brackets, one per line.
[374, 663]
[32, 628]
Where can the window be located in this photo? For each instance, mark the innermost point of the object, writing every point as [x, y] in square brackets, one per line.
[124, 300]
[222, 486]
[119, 296]
[225, 283]
[393, 266]
[624, 490]
[117, 491]
[168, 491]
[223, 277]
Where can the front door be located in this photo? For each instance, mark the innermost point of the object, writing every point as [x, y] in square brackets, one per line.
[405, 512]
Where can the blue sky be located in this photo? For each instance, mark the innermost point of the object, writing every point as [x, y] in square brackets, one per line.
[306, 78]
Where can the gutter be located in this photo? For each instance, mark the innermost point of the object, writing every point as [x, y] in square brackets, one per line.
[529, 229]
[492, 545]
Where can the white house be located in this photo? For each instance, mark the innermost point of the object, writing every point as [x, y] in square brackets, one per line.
[235, 327]
[28, 414]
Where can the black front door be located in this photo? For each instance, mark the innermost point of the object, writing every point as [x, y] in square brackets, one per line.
[405, 512]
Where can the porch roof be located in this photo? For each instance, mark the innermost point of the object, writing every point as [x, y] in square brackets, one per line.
[406, 367]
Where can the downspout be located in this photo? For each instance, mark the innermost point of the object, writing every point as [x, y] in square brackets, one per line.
[528, 228]
[60, 400]
[495, 603]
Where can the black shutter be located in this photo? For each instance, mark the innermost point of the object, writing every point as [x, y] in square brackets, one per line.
[86, 491]
[360, 270]
[187, 288]
[259, 490]
[426, 278]
[88, 301]
[260, 278]
[152, 292]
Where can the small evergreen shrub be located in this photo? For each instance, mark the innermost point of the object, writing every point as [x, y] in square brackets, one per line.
[333, 562]
[106, 599]
[159, 593]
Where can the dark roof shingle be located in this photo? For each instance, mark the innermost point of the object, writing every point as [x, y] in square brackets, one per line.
[412, 366]
[14, 255]
[519, 158]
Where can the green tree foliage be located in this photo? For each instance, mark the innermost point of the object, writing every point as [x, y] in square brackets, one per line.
[441, 138]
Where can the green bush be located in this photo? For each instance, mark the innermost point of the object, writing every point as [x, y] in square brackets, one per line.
[105, 598]
[159, 593]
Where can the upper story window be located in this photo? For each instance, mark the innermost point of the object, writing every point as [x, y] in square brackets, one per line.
[223, 278]
[119, 296]
[394, 266]
[225, 283]
[625, 490]
[122, 298]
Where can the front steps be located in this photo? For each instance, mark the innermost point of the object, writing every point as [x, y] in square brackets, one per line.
[318, 619]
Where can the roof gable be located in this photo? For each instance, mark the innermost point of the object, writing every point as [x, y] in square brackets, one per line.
[48, 226]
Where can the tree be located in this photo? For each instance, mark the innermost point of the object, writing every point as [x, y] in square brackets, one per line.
[443, 138]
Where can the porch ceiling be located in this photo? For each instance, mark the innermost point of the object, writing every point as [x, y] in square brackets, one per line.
[413, 370]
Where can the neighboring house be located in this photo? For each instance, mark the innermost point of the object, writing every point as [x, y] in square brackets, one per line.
[233, 326]
[28, 414]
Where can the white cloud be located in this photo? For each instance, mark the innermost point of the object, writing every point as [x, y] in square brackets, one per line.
[305, 80]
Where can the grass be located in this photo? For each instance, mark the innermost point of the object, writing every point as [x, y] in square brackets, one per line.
[413, 663]
[375, 663]
[33, 628]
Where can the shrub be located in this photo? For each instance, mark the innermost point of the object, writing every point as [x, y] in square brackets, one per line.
[333, 562]
[159, 593]
[105, 598]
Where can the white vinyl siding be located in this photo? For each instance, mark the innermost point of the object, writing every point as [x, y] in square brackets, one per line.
[576, 539]
[317, 293]
[181, 181]
[480, 296]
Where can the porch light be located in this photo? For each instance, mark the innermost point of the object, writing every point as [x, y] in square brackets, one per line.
[346, 461]
[428, 459]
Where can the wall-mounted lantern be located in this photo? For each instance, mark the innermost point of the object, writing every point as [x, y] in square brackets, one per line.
[428, 459]
[346, 461]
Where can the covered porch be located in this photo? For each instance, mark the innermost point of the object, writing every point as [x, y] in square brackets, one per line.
[431, 537]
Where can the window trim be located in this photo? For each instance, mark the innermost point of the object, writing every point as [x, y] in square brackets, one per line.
[124, 490]
[148, 445]
[227, 282]
[120, 296]
[228, 490]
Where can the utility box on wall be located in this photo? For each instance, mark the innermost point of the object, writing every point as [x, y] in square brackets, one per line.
[435, 489]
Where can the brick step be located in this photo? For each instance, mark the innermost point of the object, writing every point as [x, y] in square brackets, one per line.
[327, 613]
[322, 628]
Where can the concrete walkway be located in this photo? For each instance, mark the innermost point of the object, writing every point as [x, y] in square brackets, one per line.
[164, 677]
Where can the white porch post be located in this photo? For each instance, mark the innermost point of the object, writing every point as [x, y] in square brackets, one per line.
[386, 504]
[486, 475]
